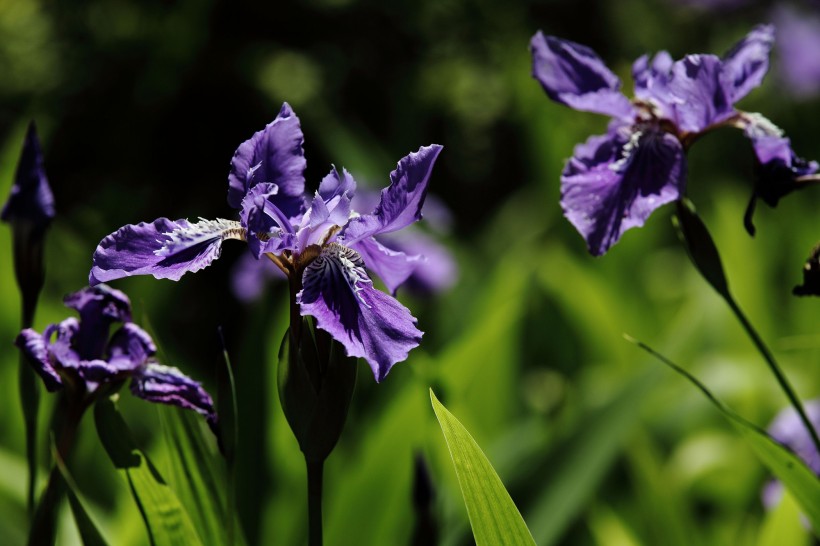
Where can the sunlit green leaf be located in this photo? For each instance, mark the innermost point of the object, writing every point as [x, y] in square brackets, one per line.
[166, 520]
[803, 484]
[493, 515]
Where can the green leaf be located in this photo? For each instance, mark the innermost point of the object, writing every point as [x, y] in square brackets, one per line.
[166, 521]
[196, 474]
[89, 533]
[493, 515]
[700, 246]
[785, 465]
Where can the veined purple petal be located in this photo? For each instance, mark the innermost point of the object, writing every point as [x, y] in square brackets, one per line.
[401, 202]
[369, 323]
[392, 266]
[167, 385]
[574, 75]
[697, 93]
[745, 65]
[99, 306]
[130, 348]
[273, 155]
[614, 182]
[31, 199]
[33, 346]
[164, 248]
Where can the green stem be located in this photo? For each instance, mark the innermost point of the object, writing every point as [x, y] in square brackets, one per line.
[775, 368]
[314, 480]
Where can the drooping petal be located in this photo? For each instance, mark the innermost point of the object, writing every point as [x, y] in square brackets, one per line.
[745, 65]
[369, 323]
[33, 346]
[99, 306]
[273, 155]
[130, 348]
[697, 94]
[392, 266]
[31, 200]
[614, 182]
[574, 75]
[168, 385]
[164, 248]
[401, 202]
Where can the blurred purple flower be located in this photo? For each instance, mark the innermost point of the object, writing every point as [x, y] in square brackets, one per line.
[615, 181]
[31, 200]
[319, 242]
[80, 356]
[799, 63]
[788, 429]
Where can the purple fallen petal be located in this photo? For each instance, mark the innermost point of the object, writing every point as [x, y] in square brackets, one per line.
[273, 155]
[574, 75]
[33, 346]
[401, 202]
[31, 199]
[164, 248]
[369, 323]
[99, 306]
[614, 182]
[167, 385]
[745, 65]
[392, 266]
[697, 93]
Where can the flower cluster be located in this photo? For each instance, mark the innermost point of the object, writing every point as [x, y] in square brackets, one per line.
[79, 356]
[615, 181]
[319, 241]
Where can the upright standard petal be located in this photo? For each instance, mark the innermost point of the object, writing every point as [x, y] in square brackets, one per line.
[99, 306]
[164, 248]
[31, 199]
[574, 75]
[33, 346]
[614, 182]
[272, 155]
[369, 323]
[401, 202]
[745, 65]
[697, 94]
[167, 385]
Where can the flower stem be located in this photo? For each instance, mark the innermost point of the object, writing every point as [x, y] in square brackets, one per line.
[314, 482]
[775, 368]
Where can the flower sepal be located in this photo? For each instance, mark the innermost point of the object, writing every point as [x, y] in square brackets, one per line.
[316, 380]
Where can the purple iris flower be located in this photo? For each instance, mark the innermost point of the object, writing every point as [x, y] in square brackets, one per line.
[788, 429]
[615, 181]
[80, 357]
[319, 242]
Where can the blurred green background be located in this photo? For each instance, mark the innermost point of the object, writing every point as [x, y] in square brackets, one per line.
[140, 106]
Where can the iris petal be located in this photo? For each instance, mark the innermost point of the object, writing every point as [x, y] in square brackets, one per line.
[614, 182]
[401, 202]
[392, 266]
[574, 75]
[745, 65]
[33, 346]
[164, 248]
[369, 323]
[167, 385]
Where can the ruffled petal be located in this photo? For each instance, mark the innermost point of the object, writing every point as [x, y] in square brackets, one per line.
[745, 65]
[167, 385]
[401, 202]
[697, 93]
[336, 184]
[392, 266]
[574, 75]
[369, 323]
[31, 199]
[33, 346]
[273, 155]
[164, 248]
[130, 348]
[614, 182]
